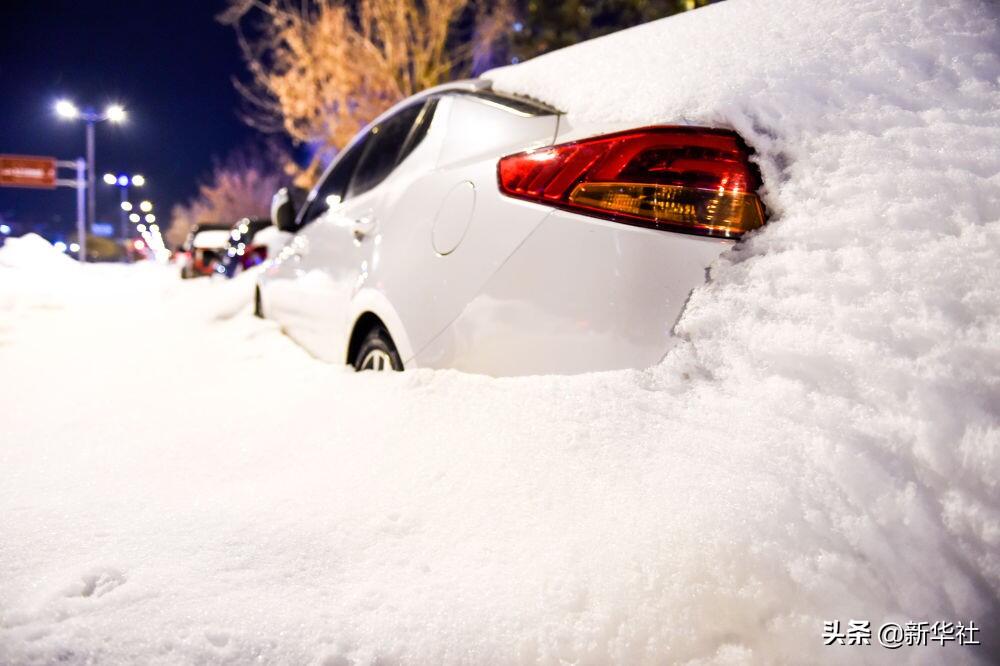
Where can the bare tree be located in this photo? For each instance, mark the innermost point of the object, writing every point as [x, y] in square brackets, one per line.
[321, 70]
[239, 186]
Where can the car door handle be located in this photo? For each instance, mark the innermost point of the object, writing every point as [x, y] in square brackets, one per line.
[362, 227]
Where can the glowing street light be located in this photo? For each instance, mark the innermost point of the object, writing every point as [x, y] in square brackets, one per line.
[150, 218]
[134, 217]
[138, 180]
[66, 109]
[145, 206]
[110, 178]
[126, 206]
[114, 113]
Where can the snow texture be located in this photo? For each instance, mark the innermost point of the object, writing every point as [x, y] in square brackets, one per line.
[182, 484]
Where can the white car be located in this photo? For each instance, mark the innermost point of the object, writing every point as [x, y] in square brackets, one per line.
[472, 230]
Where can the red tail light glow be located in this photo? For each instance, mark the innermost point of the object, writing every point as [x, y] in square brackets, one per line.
[689, 179]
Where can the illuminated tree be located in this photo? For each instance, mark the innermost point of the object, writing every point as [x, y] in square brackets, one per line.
[240, 186]
[321, 70]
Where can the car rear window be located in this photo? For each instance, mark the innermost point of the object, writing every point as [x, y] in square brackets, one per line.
[384, 145]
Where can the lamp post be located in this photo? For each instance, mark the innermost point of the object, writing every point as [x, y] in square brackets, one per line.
[123, 181]
[114, 113]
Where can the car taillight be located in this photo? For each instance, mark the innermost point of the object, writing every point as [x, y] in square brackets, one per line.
[695, 180]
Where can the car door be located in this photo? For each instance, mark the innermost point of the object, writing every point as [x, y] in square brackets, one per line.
[330, 256]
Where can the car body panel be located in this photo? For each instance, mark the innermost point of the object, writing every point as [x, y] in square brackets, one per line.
[308, 289]
[428, 289]
[609, 301]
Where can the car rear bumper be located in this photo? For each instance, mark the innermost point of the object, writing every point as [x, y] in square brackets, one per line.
[578, 295]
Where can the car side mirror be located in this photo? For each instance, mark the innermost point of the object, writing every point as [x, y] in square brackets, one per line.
[284, 207]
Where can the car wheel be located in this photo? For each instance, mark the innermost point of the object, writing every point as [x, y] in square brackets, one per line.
[377, 353]
[258, 310]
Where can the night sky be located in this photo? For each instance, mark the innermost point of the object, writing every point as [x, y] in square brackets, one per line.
[169, 63]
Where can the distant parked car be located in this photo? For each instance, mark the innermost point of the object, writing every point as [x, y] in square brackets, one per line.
[203, 249]
[251, 242]
[475, 230]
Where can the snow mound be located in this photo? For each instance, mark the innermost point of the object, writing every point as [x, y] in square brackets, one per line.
[854, 339]
[32, 251]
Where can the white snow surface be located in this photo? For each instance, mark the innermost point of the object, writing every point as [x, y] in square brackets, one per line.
[181, 484]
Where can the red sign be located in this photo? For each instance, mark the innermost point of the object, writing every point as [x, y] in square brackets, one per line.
[27, 171]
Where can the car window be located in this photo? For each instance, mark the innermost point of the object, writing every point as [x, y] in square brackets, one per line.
[419, 129]
[384, 145]
[332, 189]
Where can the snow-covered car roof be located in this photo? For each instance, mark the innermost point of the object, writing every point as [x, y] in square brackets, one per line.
[210, 239]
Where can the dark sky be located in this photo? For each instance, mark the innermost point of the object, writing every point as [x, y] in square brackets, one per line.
[169, 63]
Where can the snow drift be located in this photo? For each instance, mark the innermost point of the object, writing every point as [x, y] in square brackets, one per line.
[857, 338]
[824, 445]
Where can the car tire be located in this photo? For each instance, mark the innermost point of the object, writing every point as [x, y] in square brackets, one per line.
[258, 309]
[377, 353]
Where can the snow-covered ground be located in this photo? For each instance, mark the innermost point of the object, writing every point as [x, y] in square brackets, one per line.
[181, 483]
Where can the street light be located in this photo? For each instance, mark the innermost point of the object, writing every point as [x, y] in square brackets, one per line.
[145, 206]
[135, 218]
[149, 218]
[123, 181]
[114, 113]
[66, 109]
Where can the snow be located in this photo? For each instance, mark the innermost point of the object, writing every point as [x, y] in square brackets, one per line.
[211, 239]
[181, 483]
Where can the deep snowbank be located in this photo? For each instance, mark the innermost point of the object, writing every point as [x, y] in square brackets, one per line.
[825, 445]
[857, 338]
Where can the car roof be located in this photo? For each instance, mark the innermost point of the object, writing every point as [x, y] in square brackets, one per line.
[470, 86]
